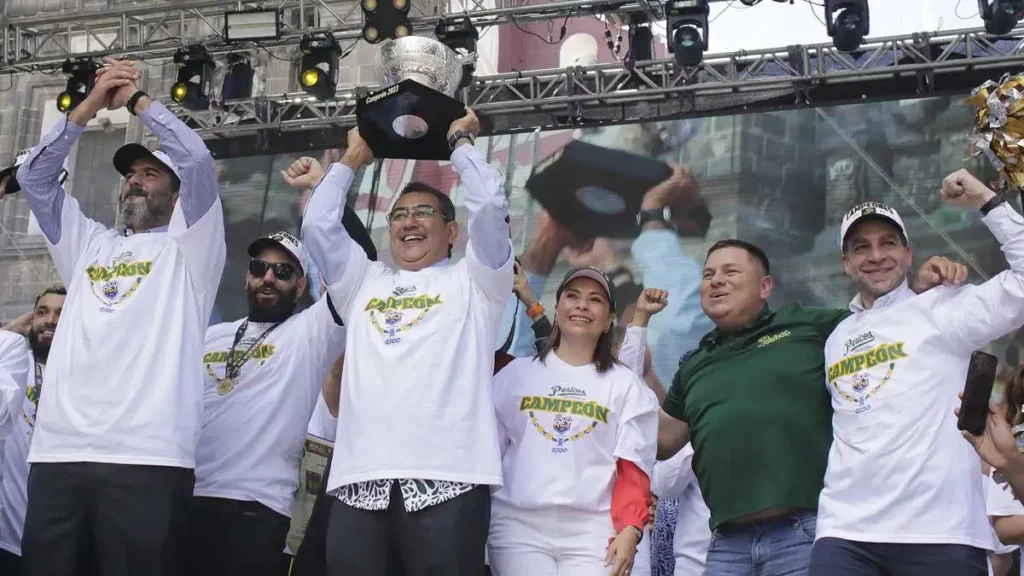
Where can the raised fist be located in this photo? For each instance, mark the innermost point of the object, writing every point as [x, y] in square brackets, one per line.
[304, 173]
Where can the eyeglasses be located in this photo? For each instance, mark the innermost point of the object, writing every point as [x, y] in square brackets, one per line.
[282, 270]
[423, 212]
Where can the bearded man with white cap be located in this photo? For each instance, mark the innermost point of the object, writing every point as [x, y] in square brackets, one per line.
[902, 494]
[264, 376]
[114, 445]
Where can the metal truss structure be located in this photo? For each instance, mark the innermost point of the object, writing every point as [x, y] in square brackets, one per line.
[908, 66]
[154, 29]
[911, 66]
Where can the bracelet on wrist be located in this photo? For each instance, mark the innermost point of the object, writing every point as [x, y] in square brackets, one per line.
[639, 532]
[535, 310]
[991, 204]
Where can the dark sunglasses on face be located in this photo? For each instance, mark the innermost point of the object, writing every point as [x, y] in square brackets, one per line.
[282, 270]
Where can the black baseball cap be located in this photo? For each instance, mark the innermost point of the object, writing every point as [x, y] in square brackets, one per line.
[127, 155]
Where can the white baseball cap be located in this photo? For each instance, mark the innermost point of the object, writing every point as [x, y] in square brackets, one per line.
[869, 209]
[127, 155]
[283, 240]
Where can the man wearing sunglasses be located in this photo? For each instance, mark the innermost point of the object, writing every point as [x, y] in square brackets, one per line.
[417, 448]
[264, 376]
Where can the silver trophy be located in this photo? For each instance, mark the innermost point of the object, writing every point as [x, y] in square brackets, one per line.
[409, 118]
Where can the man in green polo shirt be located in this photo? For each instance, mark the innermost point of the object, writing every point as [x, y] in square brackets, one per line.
[753, 398]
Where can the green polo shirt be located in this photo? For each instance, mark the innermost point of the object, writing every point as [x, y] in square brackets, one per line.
[760, 416]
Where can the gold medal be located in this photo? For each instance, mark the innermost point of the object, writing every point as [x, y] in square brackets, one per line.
[226, 385]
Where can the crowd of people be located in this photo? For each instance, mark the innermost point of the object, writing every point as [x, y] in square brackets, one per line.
[791, 441]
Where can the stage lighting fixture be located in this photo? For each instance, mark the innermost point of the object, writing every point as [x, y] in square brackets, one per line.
[460, 35]
[238, 80]
[850, 26]
[81, 74]
[688, 28]
[247, 25]
[318, 75]
[641, 37]
[195, 72]
[1001, 16]
[385, 19]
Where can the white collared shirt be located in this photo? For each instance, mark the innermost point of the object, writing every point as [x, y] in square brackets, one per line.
[899, 471]
[250, 447]
[18, 390]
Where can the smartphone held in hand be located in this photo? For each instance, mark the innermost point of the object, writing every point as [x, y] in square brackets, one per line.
[981, 376]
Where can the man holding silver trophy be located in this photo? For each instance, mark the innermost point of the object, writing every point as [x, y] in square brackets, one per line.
[417, 447]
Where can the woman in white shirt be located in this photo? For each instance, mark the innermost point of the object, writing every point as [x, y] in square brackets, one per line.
[578, 435]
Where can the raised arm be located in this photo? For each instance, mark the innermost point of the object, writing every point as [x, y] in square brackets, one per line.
[633, 351]
[198, 190]
[341, 261]
[489, 242]
[20, 325]
[979, 314]
[186, 149]
[663, 264]
[59, 215]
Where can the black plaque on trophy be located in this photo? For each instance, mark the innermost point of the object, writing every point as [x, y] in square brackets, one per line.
[595, 191]
[408, 120]
[411, 116]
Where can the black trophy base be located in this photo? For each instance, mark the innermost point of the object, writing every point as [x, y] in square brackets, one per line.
[408, 120]
[595, 191]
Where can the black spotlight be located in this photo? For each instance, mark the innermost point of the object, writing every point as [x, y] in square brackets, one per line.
[688, 26]
[1001, 16]
[461, 36]
[195, 72]
[319, 74]
[238, 80]
[81, 74]
[849, 28]
[385, 19]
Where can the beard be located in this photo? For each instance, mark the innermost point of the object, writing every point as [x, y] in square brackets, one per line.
[278, 311]
[40, 349]
[154, 210]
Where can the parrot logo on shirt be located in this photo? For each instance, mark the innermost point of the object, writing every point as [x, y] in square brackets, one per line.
[562, 424]
[116, 283]
[854, 371]
[562, 410]
[388, 315]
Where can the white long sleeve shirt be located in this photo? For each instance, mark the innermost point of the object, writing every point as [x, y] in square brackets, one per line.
[1000, 502]
[18, 406]
[415, 398]
[15, 371]
[899, 471]
[250, 447]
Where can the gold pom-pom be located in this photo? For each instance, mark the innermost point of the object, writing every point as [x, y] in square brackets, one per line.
[999, 127]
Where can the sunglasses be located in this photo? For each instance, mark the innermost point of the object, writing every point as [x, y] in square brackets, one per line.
[282, 271]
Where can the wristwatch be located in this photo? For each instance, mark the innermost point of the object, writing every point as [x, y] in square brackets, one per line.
[991, 204]
[663, 215]
[459, 135]
[134, 100]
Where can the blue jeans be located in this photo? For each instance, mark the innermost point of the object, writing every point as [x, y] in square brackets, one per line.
[836, 557]
[774, 547]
